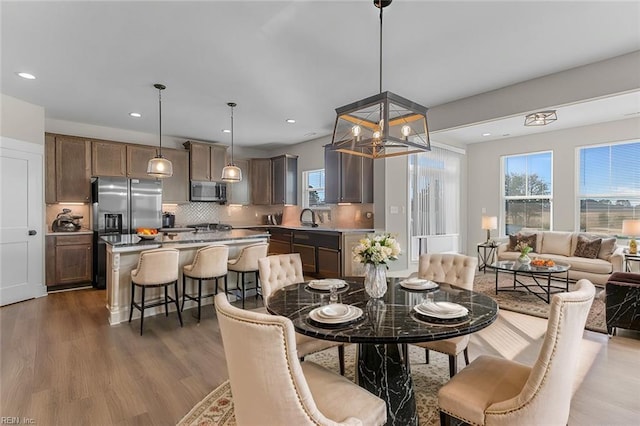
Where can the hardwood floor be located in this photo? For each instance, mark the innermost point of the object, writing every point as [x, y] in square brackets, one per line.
[61, 363]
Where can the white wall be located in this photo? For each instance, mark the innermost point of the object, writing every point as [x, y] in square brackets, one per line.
[21, 120]
[483, 181]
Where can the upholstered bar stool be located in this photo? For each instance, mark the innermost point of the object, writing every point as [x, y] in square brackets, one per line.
[247, 262]
[156, 268]
[210, 263]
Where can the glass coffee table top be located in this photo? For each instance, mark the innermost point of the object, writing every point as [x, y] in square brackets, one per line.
[515, 266]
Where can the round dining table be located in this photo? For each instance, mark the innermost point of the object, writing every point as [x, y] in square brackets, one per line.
[383, 331]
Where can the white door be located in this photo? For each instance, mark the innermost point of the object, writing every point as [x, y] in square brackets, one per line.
[21, 234]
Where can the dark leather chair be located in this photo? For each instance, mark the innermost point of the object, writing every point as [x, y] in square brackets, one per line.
[623, 301]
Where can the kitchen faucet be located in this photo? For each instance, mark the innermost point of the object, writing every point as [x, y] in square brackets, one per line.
[313, 218]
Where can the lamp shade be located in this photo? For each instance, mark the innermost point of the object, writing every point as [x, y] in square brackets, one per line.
[489, 222]
[231, 173]
[631, 227]
[159, 167]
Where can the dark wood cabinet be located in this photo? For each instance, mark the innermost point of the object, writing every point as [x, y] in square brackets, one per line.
[348, 178]
[67, 167]
[280, 241]
[68, 259]
[138, 157]
[206, 161]
[109, 159]
[176, 188]
[320, 252]
[284, 179]
[260, 181]
[329, 263]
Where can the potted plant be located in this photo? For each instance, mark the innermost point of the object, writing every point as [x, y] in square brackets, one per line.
[375, 252]
[524, 250]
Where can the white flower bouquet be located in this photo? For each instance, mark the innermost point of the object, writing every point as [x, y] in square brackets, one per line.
[377, 249]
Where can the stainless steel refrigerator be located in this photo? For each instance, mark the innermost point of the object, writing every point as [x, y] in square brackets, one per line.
[120, 206]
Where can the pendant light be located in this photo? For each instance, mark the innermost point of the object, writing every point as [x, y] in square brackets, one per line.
[231, 173]
[160, 167]
[382, 125]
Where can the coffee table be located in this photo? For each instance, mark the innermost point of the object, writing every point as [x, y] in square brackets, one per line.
[540, 289]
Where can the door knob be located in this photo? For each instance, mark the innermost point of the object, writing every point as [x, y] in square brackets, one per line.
[32, 232]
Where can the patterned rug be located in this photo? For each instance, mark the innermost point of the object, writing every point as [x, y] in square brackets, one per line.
[217, 407]
[526, 303]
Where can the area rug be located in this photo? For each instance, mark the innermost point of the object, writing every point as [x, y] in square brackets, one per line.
[217, 407]
[526, 303]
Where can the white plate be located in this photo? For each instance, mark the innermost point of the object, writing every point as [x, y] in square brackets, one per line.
[354, 313]
[418, 284]
[334, 310]
[441, 310]
[326, 284]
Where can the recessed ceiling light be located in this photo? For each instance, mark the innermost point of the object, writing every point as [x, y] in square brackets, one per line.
[226, 131]
[486, 134]
[290, 120]
[310, 134]
[26, 75]
[135, 114]
[506, 134]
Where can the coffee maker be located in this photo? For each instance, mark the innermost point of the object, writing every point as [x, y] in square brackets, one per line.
[168, 220]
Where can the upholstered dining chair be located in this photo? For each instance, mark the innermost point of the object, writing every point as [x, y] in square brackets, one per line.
[459, 270]
[247, 262]
[496, 391]
[280, 270]
[275, 388]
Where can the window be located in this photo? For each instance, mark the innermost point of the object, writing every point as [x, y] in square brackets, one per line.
[434, 191]
[527, 191]
[608, 186]
[313, 189]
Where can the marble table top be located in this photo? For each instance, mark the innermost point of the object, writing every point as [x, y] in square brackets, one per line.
[390, 319]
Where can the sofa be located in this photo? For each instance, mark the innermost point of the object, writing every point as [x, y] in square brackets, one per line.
[588, 258]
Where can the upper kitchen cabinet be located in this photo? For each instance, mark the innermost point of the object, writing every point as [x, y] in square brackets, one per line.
[238, 192]
[284, 179]
[260, 178]
[138, 157]
[348, 178]
[176, 188]
[108, 159]
[206, 161]
[68, 162]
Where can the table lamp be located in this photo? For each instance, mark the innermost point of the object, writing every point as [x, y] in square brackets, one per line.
[631, 228]
[489, 223]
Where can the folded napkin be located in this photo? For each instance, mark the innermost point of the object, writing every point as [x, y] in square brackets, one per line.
[415, 280]
[443, 308]
[327, 283]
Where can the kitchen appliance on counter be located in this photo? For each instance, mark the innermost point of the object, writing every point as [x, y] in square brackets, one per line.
[66, 222]
[168, 220]
[120, 206]
[208, 191]
[211, 227]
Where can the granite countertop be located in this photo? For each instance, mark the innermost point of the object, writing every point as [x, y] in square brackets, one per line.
[309, 228]
[81, 231]
[132, 240]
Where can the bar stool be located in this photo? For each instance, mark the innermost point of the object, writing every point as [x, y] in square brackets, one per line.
[210, 263]
[156, 268]
[247, 261]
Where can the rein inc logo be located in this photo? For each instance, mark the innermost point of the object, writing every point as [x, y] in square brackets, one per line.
[17, 421]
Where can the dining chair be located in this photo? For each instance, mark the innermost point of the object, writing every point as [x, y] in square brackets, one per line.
[247, 262]
[209, 263]
[275, 388]
[278, 271]
[498, 391]
[156, 268]
[458, 270]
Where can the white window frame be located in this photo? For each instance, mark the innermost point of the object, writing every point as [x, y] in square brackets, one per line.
[504, 198]
[306, 190]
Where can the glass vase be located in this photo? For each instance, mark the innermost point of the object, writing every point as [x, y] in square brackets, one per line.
[524, 259]
[375, 279]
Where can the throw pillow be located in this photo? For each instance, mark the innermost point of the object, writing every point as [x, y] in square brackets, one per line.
[587, 248]
[515, 239]
[607, 247]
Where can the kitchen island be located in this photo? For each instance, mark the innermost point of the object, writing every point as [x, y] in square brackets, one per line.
[123, 252]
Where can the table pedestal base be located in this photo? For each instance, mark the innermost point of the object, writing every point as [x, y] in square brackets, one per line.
[382, 370]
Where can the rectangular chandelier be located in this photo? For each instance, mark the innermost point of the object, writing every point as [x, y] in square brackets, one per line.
[381, 126]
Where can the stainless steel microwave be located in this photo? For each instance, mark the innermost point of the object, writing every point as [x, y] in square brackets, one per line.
[208, 191]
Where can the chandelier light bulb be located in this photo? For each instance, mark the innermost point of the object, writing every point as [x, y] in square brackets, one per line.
[406, 131]
[356, 130]
[376, 135]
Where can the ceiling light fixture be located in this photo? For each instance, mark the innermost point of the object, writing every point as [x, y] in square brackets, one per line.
[382, 125]
[540, 118]
[159, 166]
[231, 173]
[290, 120]
[486, 134]
[226, 131]
[26, 75]
[135, 114]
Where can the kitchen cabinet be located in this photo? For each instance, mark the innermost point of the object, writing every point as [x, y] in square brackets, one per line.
[206, 161]
[138, 157]
[348, 178]
[175, 189]
[108, 159]
[69, 259]
[260, 178]
[320, 252]
[238, 192]
[67, 167]
[284, 179]
[280, 241]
